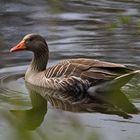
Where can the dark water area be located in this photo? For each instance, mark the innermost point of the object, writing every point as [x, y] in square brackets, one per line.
[103, 29]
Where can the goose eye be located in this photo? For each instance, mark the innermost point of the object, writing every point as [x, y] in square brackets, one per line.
[30, 39]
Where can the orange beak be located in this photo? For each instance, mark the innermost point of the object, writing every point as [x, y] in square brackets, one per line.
[20, 46]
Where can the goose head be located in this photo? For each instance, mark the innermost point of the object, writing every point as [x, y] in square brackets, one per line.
[31, 42]
[36, 44]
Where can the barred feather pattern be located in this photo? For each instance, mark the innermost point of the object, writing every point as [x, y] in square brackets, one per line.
[68, 76]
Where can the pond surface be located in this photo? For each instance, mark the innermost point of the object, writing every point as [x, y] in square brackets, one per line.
[103, 29]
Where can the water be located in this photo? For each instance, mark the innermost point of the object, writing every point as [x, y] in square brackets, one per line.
[103, 29]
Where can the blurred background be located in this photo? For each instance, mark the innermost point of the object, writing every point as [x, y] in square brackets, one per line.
[103, 29]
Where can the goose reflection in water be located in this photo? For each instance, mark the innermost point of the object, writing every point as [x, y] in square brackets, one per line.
[108, 103]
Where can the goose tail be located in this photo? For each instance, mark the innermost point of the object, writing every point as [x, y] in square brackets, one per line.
[115, 84]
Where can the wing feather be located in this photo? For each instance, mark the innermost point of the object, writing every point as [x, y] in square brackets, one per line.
[90, 71]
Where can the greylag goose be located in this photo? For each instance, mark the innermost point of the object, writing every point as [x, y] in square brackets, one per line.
[76, 75]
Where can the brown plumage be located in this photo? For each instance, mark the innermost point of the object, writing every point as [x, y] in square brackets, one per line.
[77, 75]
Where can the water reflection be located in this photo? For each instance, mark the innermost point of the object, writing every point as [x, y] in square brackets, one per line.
[32, 118]
[117, 104]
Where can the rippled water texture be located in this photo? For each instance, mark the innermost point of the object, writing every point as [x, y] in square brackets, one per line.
[103, 29]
